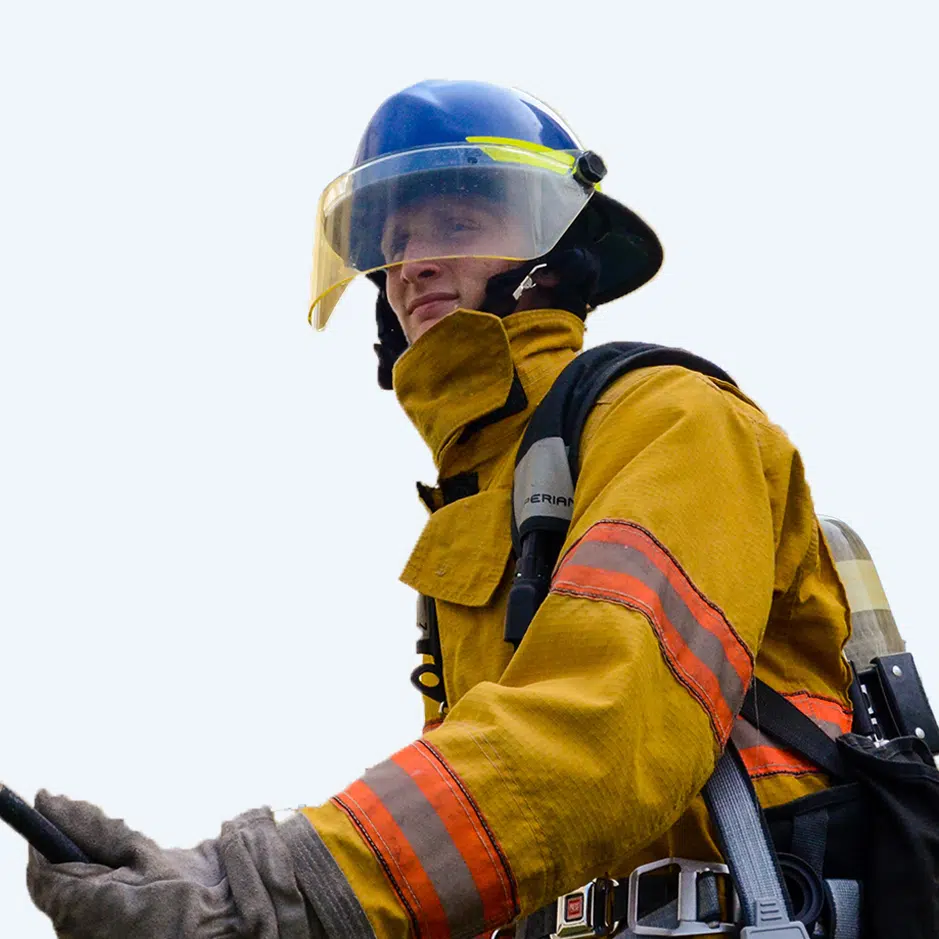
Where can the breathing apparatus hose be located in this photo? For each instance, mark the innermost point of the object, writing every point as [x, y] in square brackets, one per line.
[51, 843]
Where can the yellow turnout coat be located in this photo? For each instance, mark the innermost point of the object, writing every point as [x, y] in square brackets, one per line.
[693, 561]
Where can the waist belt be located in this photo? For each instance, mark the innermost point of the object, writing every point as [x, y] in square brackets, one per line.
[762, 903]
[689, 904]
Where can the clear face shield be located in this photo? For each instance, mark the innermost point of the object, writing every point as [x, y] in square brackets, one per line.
[507, 200]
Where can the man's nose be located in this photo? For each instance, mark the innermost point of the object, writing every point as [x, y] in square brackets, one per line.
[413, 271]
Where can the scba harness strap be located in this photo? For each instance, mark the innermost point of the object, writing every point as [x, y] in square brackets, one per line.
[542, 501]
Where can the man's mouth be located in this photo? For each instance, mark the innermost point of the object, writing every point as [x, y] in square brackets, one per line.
[431, 305]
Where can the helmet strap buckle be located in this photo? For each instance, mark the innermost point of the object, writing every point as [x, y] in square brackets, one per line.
[528, 282]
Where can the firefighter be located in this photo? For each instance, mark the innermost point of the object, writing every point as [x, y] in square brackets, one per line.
[693, 562]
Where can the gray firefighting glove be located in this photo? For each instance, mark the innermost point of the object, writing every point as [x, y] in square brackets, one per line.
[242, 884]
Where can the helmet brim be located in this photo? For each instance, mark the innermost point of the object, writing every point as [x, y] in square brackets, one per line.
[629, 251]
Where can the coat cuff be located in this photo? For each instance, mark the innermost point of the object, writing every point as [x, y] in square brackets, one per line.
[323, 883]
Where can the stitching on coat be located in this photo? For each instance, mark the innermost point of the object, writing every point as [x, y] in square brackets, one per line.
[570, 588]
[509, 894]
[688, 681]
[412, 915]
[802, 693]
[635, 525]
[389, 852]
[511, 786]
[765, 772]
[632, 603]
[448, 781]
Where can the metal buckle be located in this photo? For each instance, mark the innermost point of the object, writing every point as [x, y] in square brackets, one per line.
[586, 913]
[527, 283]
[688, 923]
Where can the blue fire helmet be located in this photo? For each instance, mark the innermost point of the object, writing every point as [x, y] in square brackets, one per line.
[453, 169]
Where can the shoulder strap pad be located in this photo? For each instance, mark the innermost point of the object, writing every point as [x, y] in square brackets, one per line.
[547, 460]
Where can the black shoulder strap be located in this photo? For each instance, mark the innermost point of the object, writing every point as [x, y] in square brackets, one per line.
[770, 712]
[548, 457]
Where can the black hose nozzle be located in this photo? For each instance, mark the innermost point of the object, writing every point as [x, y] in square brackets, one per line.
[54, 846]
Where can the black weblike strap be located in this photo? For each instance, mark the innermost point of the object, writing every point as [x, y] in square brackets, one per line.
[769, 711]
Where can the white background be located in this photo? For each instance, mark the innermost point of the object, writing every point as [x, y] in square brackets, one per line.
[204, 505]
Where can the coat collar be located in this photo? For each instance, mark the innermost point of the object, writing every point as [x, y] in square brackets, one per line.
[460, 382]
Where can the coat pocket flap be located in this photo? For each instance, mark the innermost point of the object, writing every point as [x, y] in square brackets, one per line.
[462, 552]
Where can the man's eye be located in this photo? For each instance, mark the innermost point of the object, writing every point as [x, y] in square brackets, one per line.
[394, 249]
[462, 224]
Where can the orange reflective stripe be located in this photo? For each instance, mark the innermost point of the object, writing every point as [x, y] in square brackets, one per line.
[433, 843]
[621, 562]
[831, 715]
[762, 756]
[466, 827]
[400, 863]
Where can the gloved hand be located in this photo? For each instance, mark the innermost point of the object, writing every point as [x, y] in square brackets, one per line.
[240, 885]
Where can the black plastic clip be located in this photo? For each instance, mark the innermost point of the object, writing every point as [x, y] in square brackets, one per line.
[532, 583]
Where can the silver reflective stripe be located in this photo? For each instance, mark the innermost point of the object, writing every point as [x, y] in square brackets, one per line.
[543, 484]
[707, 648]
[431, 842]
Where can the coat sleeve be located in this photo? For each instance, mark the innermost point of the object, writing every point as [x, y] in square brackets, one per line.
[613, 711]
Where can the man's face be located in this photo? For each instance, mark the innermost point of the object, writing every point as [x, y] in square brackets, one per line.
[423, 292]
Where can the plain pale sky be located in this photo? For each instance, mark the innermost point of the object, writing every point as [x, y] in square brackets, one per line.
[205, 506]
